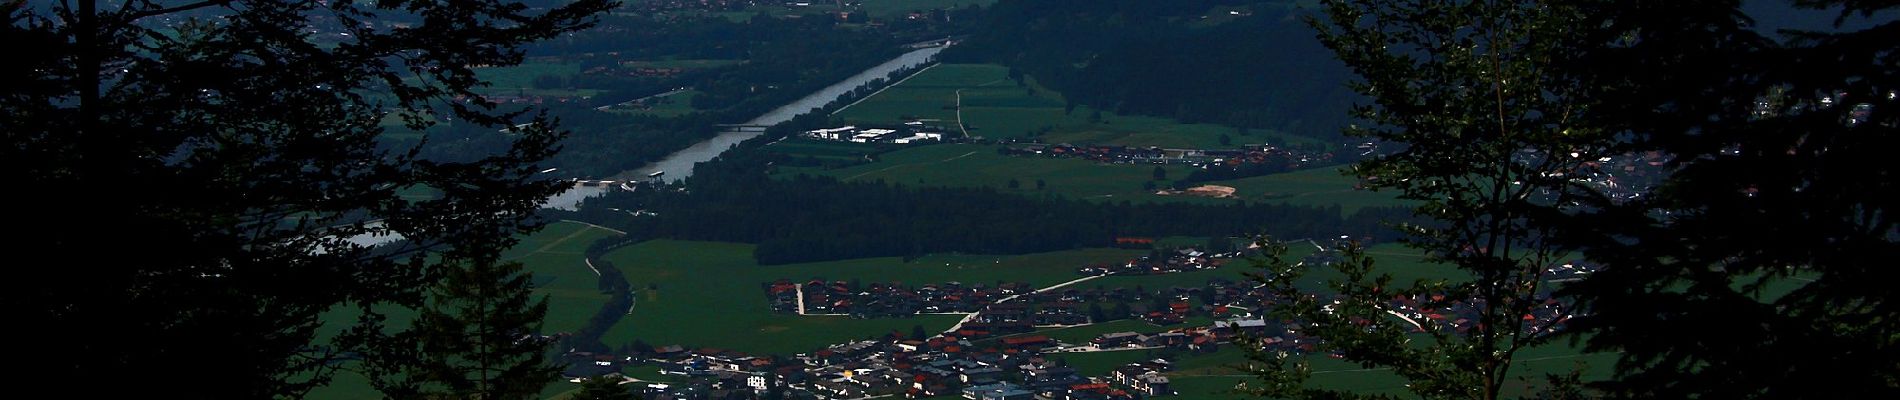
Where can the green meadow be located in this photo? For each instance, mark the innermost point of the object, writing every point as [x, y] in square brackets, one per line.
[560, 270]
[688, 63]
[560, 274]
[972, 165]
[989, 104]
[672, 105]
[1323, 186]
[519, 79]
[827, 149]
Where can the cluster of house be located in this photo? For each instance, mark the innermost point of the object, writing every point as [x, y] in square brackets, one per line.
[1627, 176]
[1258, 154]
[529, 99]
[996, 354]
[632, 69]
[911, 132]
[1014, 369]
[1546, 315]
[1180, 260]
[880, 300]
[951, 364]
[658, 6]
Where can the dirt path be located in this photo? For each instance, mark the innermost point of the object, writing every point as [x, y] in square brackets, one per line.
[564, 239]
[959, 92]
[558, 242]
[596, 226]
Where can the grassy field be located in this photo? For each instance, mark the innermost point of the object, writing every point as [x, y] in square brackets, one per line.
[971, 165]
[897, 8]
[418, 193]
[1101, 363]
[826, 148]
[708, 294]
[994, 106]
[554, 256]
[519, 79]
[1323, 186]
[690, 63]
[672, 105]
[1082, 334]
[929, 95]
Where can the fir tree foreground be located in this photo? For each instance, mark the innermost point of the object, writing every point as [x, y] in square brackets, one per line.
[1755, 264]
[205, 164]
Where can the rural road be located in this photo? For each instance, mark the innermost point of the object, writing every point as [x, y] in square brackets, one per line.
[967, 318]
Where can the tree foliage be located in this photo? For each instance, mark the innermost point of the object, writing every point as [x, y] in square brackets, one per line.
[231, 146]
[602, 388]
[1489, 128]
[477, 338]
[805, 219]
[1762, 266]
[1116, 55]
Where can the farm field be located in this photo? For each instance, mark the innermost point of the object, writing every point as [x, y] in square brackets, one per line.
[519, 79]
[1082, 334]
[554, 256]
[826, 149]
[996, 107]
[689, 63]
[708, 294]
[1323, 186]
[972, 165]
[671, 105]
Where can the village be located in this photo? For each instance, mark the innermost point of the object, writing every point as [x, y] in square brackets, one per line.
[1001, 349]
[1257, 155]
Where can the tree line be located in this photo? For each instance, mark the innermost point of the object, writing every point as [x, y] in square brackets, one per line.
[1113, 55]
[804, 218]
[1758, 268]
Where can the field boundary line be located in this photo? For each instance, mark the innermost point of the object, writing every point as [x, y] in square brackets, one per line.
[886, 87]
[596, 226]
[862, 174]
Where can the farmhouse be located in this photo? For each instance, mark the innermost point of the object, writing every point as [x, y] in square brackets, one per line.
[1000, 391]
[839, 133]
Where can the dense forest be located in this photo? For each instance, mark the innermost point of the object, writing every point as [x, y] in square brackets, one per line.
[1116, 55]
[807, 218]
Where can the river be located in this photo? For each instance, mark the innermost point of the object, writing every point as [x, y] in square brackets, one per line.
[679, 165]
